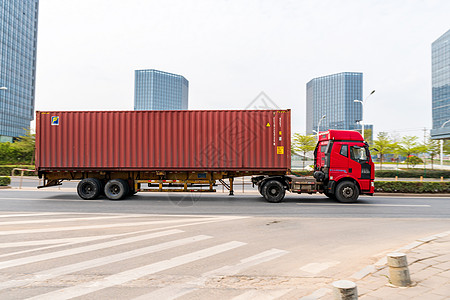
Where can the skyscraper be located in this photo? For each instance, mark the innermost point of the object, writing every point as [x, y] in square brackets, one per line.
[18, 42]
[440, 78]
[157, 90]
[333, 96]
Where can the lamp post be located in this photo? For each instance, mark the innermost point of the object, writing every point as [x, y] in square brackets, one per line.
[442, 145]
[318, 125]
[362, 111]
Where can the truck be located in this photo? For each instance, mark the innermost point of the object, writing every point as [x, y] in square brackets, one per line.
[120, 153]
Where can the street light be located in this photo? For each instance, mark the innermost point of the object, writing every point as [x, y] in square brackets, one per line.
[362, 111]
[3, 88]
[442, 145]
[318, 125]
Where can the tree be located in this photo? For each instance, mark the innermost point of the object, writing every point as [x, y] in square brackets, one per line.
[384, 144]
[303, 144]
[414, 160]
[433, 149]
[409, 145]
[21, 151]
[446, 146]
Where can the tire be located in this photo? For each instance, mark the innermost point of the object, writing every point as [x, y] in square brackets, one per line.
[273, 191]
[116, 189]
[260, 187]
[347, 192]
[89, 188]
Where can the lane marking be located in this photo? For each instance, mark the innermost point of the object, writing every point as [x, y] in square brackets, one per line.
[54, 199]
[316, 268]
[115, 225]
[364, 204]
[136, 273]
[67, 220]
[178, 290]
[33, 214]
[83, 249]
[93, 263]
[262, 294]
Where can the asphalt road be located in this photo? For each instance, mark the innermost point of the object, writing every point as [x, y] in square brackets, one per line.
[167, 246]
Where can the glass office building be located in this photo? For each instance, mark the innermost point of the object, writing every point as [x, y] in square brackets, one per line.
[333, 96]
[18, 41]
[440, 78]
[157, 90]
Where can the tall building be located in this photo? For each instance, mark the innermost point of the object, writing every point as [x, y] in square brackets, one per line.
[157, 90]
[333, 96]
[18, 42]
[440, 78]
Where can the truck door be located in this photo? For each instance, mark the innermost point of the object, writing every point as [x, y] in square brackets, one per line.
[359, 166]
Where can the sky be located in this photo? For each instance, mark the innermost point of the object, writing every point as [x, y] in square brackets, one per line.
[231, 51]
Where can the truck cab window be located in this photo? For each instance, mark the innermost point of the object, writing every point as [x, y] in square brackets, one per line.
[344, 150]
[358, 153]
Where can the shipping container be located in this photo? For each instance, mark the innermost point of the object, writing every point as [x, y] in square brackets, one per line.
[209, 140]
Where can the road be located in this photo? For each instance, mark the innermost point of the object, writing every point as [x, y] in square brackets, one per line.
[167, 246]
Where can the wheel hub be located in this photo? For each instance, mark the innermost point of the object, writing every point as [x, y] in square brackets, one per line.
[347, 192]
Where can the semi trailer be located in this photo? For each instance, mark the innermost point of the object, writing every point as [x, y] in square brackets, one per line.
[120, 153]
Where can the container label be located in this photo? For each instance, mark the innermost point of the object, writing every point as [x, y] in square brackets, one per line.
[268, 124]
[55, 120]
[280, 150]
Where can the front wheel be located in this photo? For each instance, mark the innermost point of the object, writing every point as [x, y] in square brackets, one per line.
[273, 191]
[116, 189]
[347, 192]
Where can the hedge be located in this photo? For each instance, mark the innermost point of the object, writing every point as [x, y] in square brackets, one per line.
[5, 170]
[411, 187]
[413, 173]
[4, 181]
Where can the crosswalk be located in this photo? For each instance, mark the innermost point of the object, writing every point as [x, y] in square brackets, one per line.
[65, 256]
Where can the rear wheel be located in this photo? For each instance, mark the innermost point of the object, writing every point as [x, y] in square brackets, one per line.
[347, 192]
[89, 188]
[273, 191]
[116, 189]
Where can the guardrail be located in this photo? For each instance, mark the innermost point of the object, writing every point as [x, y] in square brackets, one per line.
[21, 174]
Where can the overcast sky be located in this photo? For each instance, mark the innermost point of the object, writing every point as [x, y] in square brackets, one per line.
[230, 51]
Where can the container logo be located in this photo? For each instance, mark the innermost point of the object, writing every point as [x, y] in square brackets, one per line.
[55, 120]
[280, 150]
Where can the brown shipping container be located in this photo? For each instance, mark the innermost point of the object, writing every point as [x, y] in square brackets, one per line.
[206, 140]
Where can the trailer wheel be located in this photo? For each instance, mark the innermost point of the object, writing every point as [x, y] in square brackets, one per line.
[273, 191]
[260, 187]
[347, 192]
[116, 189]
[89, 188]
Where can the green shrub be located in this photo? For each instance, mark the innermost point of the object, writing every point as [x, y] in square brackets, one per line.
[5, 170]
[411, 187]
[4, 181]
[412, 173]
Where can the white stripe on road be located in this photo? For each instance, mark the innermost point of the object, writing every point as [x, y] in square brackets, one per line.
[365, 204]
[83, 249]
[133, 274]
[115, 225]
[178, 290]
[55, 241]
[67, 220]
[316, 268]
[33, 214]
[262, 294]
[93, 263]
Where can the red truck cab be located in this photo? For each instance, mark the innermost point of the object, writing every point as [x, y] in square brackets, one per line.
[344, 165]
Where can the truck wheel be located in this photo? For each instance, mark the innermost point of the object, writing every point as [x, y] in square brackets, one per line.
[273, 191]
[329, 195]
[347, 192]
[260, 187]
[116, 189]
[89, 188]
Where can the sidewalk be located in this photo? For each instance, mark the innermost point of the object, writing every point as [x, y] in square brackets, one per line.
[429, 267]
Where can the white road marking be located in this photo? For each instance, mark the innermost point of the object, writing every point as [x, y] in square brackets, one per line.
[53, 199]
[133, 274]
[67, 220]
[316, 268]
[55, 241]
[83, 249]
[115, 225]
[262, 294]
[33, 214]
[178, 290]
[317, 294]
[365, 204]
[93, 263]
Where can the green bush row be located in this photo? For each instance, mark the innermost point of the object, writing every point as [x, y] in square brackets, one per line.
[6, 170]
[4, 181]
[411, 187]
[412, 173]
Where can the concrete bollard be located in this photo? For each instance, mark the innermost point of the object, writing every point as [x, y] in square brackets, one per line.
[398, 269]
[345, 290]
